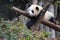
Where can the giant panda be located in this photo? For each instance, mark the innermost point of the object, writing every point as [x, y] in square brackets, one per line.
[34, 12]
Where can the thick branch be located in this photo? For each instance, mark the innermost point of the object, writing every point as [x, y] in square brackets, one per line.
[19, 10]
[49, 24]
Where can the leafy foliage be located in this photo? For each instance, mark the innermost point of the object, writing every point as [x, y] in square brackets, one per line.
[58, 2]
[17, 31]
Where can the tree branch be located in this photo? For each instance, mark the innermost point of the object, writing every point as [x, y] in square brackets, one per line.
[19, 10]
[49, 24]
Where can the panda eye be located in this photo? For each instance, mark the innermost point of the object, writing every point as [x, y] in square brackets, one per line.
[32, 11]
[37, 8]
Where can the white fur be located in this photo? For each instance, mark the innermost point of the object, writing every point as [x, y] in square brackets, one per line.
[47, 15]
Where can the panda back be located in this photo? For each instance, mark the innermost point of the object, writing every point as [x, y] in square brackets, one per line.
[48, 15]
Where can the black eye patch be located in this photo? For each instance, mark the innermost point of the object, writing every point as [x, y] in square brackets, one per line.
[32, 11]
[37, 8]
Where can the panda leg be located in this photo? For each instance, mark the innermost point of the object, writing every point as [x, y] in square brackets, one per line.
[31, 23]
[53, 20]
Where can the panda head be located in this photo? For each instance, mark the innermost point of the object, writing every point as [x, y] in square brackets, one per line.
[34, 10]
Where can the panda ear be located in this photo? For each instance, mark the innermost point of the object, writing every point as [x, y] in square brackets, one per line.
[29, 5]
[37, 8]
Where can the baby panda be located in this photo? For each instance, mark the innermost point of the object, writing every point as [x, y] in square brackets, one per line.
[34, 12]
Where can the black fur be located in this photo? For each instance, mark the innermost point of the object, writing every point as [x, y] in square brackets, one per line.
[52, 19]
[32, 21]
